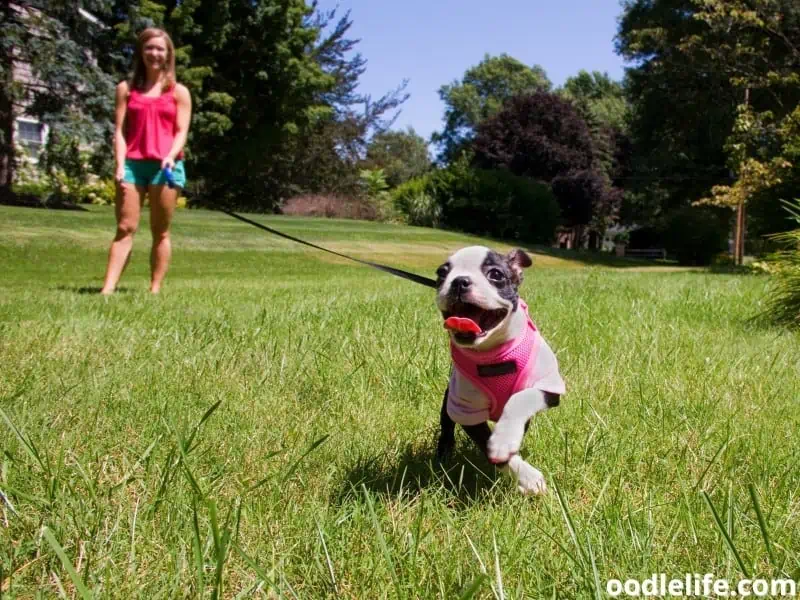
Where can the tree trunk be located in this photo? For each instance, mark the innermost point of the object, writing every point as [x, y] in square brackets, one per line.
[738, 242]
[7, 158]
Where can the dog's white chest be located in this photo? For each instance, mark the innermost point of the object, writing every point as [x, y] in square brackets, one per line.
[466, 404]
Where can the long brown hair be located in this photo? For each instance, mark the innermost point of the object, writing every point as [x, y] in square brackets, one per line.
[139, 77]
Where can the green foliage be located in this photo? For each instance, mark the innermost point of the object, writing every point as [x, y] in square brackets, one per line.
[694, 235]
[415, 199]
[480, 94]
[40, 189]
[374, 182]
[599, 97]
[486, 202]
[783, 300]
[682, 107]
[602, 104]
[402, 155]
[699, 61]
[376, 191]
[67, 89]
[104, 191]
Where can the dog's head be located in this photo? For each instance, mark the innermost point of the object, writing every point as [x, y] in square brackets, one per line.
[480, 285]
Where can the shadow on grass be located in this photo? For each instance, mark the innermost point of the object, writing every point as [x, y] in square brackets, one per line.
[601, 259]
[725, 270]
[465, 476]
[90, 289]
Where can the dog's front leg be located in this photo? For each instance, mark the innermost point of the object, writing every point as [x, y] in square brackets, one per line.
[506, 439]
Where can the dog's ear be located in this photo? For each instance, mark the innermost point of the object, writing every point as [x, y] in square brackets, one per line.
[518, 259]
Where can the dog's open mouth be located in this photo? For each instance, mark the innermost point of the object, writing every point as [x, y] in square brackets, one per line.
[468, 321]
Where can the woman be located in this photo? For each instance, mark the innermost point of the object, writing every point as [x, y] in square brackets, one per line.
[152, 121]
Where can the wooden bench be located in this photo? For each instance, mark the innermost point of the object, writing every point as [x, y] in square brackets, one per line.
[651, 253]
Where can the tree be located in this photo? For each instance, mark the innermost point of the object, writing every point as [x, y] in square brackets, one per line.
[542, 136]
[401, 154]
[715, 80]
[599, 96]
[261, 93]
[539, 135]
[602, 104]
[760, 53]
[328, 156]
[273, 85]
[682, 107]
[65, 88]
[480, 94]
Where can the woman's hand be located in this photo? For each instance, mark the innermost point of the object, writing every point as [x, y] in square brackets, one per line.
[168, 163]
[119, 175]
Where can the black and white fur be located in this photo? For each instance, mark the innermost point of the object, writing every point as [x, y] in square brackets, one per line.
[480, 277]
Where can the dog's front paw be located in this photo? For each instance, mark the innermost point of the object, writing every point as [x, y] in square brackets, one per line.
[504, 441]
[530, 480]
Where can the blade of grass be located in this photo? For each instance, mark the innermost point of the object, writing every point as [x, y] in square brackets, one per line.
[498, 575]
[382, 541]
[597, 593]
[762, 524]
[725, 535]
[197, 427]
[29, 446]
[473, 588]
[198, 550]
[311, 448]
[73, 574]
[327, 558]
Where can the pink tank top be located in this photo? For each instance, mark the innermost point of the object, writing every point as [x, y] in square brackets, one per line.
[502, 371]
[150, 125]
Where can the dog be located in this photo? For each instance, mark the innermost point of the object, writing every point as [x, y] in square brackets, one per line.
[502, 370]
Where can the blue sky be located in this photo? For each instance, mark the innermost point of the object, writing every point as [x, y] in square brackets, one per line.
[432, 42]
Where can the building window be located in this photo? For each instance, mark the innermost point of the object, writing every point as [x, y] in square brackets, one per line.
[30, 132]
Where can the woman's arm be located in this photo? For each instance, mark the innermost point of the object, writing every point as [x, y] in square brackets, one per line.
[121, 105]
[184, 102]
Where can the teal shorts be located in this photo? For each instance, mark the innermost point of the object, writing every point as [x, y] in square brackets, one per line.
[148, 172]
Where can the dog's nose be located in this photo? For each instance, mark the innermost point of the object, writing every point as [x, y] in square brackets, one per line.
[461, 284]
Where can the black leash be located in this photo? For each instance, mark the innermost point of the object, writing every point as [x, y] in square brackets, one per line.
[398, 272]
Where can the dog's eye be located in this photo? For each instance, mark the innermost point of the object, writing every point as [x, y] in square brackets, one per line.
[496, 275]
[442, 271]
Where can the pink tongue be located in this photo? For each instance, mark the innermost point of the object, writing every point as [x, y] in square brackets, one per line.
[462, 324]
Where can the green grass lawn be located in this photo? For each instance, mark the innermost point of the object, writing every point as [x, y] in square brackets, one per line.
[266, 426]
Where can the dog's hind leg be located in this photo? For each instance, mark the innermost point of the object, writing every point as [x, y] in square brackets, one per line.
[480, 434]
[447, 435]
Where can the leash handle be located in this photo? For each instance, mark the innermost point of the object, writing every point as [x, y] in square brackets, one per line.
[169, 177]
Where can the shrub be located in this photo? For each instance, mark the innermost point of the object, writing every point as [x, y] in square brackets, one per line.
[646, 237]
[485, 202]
[40, 189]
[783, 299]
[694, 235]
[374, 191]
[416, 201]
[103, 191]
[321, 205]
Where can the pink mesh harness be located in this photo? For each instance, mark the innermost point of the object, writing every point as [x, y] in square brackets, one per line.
[502, 371]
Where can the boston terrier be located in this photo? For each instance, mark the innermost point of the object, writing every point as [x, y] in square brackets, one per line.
[503, 370]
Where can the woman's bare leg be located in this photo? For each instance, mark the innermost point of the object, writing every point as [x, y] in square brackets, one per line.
[162, 206]
[128, 208]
